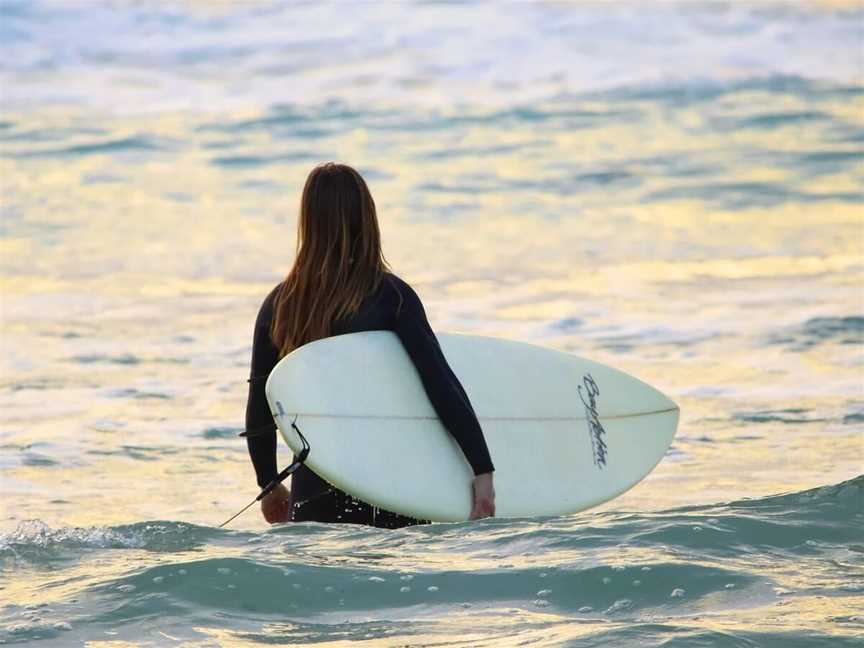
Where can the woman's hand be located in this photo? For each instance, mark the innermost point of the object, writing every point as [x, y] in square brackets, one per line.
[484, 497]
[275, 505]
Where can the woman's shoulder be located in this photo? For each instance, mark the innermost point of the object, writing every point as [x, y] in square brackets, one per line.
[271, 296]
[398, 285]
[404, 294]
[266, 309]
[398, 282]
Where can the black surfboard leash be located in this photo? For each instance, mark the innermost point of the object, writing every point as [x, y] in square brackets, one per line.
[282, 476]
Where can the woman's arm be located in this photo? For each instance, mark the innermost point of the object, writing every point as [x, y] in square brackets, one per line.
[259, 420]
[445, 392]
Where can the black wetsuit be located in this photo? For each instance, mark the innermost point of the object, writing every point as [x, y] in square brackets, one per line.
[395, 307]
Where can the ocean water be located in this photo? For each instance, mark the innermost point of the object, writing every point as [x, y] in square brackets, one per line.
[674, 189]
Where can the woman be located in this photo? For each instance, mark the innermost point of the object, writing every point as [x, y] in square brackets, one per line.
[340, 283]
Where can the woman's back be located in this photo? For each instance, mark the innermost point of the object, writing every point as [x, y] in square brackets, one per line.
[394, 306]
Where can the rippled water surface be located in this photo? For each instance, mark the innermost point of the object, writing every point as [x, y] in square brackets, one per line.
[675, 190]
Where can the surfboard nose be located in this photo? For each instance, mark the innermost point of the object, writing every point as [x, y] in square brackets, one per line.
[666, 402]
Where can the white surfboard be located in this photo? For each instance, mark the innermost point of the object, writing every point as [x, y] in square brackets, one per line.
[564, 433]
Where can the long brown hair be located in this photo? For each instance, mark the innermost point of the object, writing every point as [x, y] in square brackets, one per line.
[338, 262]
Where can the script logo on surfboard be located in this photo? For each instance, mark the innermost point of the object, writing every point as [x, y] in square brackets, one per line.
[595, 428]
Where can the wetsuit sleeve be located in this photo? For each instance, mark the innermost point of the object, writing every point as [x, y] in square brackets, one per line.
[259, 420]
[445, 392]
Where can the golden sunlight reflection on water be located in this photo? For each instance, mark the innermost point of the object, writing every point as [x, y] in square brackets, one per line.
[611, 241]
